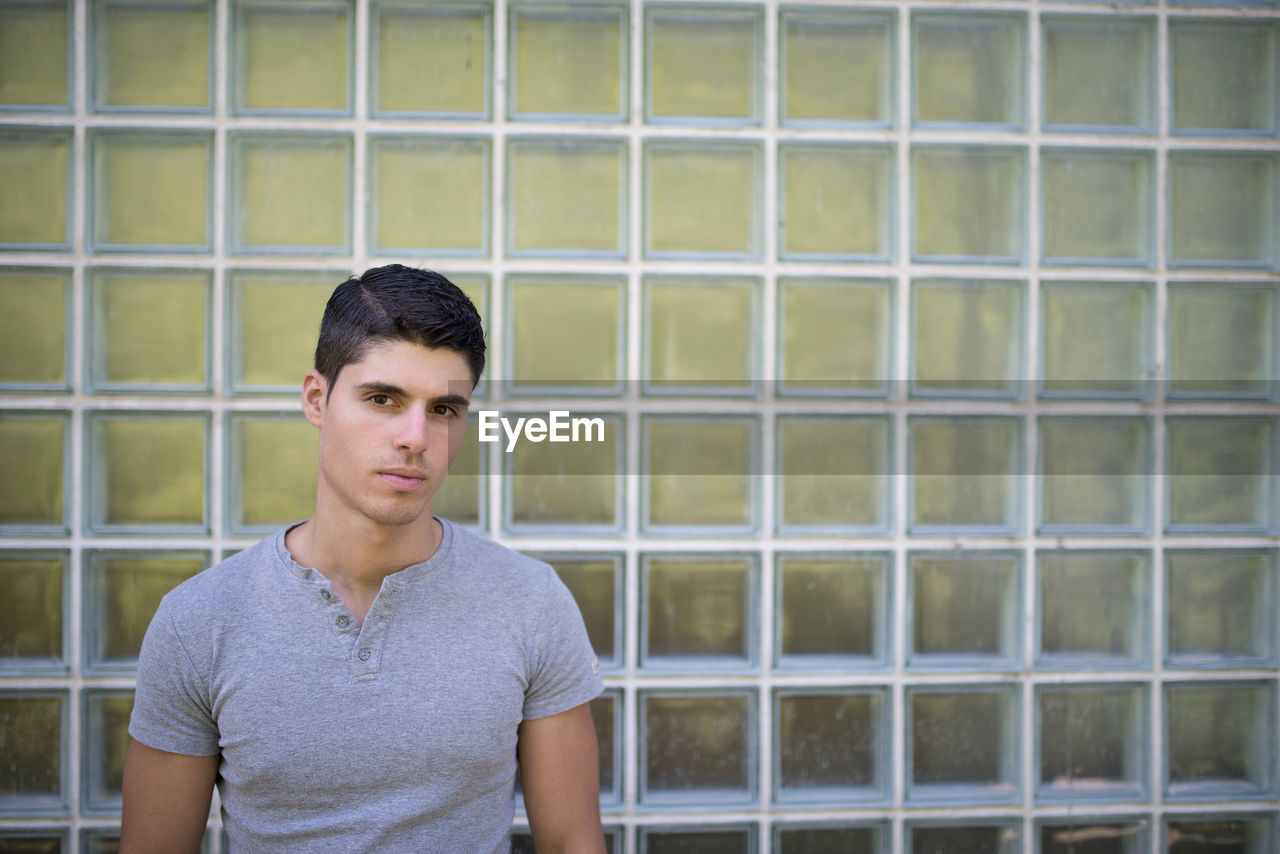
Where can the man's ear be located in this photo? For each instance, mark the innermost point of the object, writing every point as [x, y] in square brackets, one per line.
[315, 392]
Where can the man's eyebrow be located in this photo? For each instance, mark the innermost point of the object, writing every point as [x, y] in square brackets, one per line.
[377, 387]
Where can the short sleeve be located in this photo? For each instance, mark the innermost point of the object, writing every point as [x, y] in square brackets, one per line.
[564, 670]
[171, 708]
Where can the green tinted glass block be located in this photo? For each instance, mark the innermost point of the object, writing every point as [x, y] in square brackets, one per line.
[1222, 76]
[720, 771]
[962, 741]
[837, 67]
[291, 57]
[965, 473]
[31, 738]
[965, 610]
[460, 497]
[832, 610]
[1095, 474]
[272, 462]
[34, 206]
[565, 333]
[966, 338]
[1221, 473]
[1093, 742]
[828, 746]
[33, 470]
[834, 335]
[106, 739]
[99, 841]
[1219, 606]
[1094, 836]
[697, 612]
[1238, 834]
[1092, 608]
[124, 590]
[147, 472]
[274, 318]
[34, 315]
[566, 197]
[607, 718]
[837, 201]
[1222, 340]
[968, 69]
[452, 218]
[152, 55]
[570, 481]
[1223, 209]
[430, 59]
[33, 842]
[152, 191]
[719, 840]
[148, 330]
[290, 192]
[33, 53]
[1098, 72]
[826, 840]
[1096, 339]
[703, 64]
[32, 582]
[702, 200]
[1220, 739]
[969, 203]
[569, 61]
[1097, 206]
[971, 837]
[700, 335]
[595, 582]
[835, 473]
[699, 472]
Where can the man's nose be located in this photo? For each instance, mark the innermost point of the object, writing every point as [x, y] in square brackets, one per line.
[412, 435]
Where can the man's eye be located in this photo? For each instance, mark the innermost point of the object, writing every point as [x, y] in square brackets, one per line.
[445, 410]
[379, 399]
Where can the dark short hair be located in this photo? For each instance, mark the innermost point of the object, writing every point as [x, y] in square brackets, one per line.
[397, 303]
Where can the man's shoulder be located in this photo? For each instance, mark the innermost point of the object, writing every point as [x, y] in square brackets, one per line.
[221, 586]
[478, 553]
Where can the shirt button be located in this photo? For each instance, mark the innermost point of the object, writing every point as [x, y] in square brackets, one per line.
[324, 594]
[364, 654]
[343, 622]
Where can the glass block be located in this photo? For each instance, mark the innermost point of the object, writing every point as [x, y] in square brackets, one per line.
[1209, 834]
[962, 743]
[1222, 340]
[566, 483]
[697, 748]
[153, 56]
[1095, 475]
[461, 496]
[1222, 76]
[700, 335]
[703, 65]
[32, 841]
[273, 321]
[1083, 58]
[1096, 339]
[290, 192]
[430, 59]
[124, 589]
[292, 57]
[710, 839]
[832, 611]
[566, 334]
[451, 219]
[969, 204]
[966, 338]
[968, 69]
[34, 586]
[33, 55]
[834, 336]
[1092, 742]
[835, 473]
[969, 837]
[1220, 608]
[1093, 608]
[1223, 209]
[33, 453]
[37, 198]
[699, 473]
[595, 580]
[147, 472]
[702, 200]
[826, 839]
[698, 611]
[837, 202]
[1077, 835]
[1221, 473]
[829, 746]
[33, 777]
[106, 739]
[34, 318]
[1097, 206]
[100, 841]
[965, 610]
[149, 330]
[567, 197]
[272, 471]
[606, 714]
[152, 191]
[965, 473]
[1220, 740]
[837, 67]
[569, 62]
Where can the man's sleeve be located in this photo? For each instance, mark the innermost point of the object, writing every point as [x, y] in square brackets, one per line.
[565, 672]
[171, 708]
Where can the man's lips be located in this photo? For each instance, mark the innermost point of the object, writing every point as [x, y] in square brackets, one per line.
[403, 478]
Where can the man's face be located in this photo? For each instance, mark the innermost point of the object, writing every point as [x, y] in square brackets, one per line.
[389, 429]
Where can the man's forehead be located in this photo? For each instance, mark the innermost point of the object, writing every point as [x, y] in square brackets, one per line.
[397, 362]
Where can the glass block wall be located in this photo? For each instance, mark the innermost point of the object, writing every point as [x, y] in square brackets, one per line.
[933, 501]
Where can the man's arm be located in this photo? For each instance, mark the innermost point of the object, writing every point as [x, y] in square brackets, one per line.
[561, 777]
[166, 800]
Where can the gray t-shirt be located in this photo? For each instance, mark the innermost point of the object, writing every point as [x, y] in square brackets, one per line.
[396, 736]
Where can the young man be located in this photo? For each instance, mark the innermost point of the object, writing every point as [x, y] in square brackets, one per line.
[365, 680]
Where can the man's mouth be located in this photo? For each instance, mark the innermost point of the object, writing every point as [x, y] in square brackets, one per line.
[403, 478]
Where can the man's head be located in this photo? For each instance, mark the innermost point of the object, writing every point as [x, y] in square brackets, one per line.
[397, 303]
